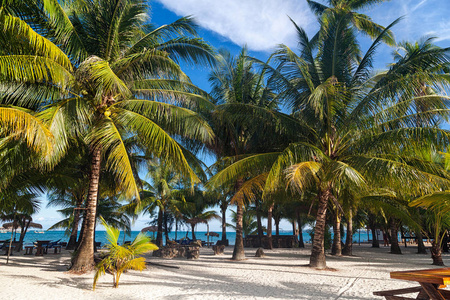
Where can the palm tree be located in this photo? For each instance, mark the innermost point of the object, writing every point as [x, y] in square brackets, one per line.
[160, 194]
[192, 208]
[240, 88]
[346, 12]
[249, 223]
[113, 78]
[353, 126]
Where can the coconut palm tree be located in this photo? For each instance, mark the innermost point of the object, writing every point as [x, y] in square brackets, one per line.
[354, 126]
[113, 77]
[240, 89]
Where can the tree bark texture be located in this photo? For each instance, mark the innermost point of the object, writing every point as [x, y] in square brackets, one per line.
[375, 241]
[420, 245]
[301, 243]
[348, 247]
[336, 248]
[223, 209]
[159, 235]
[436, 253]
[238, 252]
[277, 226]
[193, 231]
[84, 258]
[166, 229]
[317, 258]
[395, 248]
[269, 225]
[259, 223]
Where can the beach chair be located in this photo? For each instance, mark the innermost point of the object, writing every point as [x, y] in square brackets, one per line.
[186, 241]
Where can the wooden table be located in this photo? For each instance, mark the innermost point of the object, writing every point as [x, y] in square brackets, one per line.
[431, 283]
[40, 248]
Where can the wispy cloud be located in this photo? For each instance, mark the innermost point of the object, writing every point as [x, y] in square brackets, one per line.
[261, 24]
[421, 18]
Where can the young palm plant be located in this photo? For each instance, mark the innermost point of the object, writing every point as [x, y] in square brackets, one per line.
[122, 258]
[111, 76]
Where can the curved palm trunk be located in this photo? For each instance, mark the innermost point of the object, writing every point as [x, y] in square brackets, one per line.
[84, 258]
[436, 253]
[269, 226]
[420, 245]
[395, 248]
[223, 209]
[159, 235]
[348, 247]
[238, 252]
[317, 258]
[336, 248]
[72, 244]
[301, 243]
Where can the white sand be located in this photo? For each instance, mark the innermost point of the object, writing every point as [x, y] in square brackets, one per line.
[282, 274]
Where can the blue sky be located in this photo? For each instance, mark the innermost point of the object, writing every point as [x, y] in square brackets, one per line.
[263, 24]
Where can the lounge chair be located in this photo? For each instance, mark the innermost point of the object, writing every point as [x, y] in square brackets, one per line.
[185, 241]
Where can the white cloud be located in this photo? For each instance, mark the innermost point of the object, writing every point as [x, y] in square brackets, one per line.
[421, 18]
[261, 24]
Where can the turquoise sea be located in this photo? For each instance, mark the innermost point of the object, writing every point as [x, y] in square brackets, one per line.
[100, 236]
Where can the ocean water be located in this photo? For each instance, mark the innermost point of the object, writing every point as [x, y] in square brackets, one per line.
[100, 236]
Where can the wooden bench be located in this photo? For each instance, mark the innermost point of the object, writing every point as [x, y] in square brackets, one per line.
[29, 250]
[57, 249]
[6, 249]
[431, 283]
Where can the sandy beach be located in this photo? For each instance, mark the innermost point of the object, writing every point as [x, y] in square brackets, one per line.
[282, 274]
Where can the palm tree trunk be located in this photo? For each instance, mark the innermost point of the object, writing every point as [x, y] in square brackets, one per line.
[166, 230]
[277, 226]
[22, 236]
[375, 241]
[395, 248]
[420, 245]
[301, 243]
[238, 252]
[84, 258]
[71, 245]
[336, 248]
[259, 223]
[223, 209]
[317, 258]
[348, 247]
[193, 231]
[159, 235]
[436, 253]
[269, 226]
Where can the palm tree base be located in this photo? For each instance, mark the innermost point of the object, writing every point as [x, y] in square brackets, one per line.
[318, 261]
